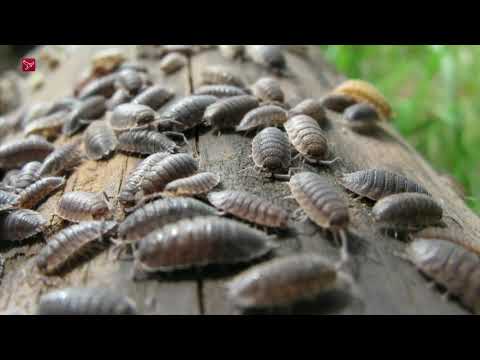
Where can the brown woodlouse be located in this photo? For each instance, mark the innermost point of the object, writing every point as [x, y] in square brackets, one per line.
[193, 185]
[308, 139]
[16, 154]
[270, 56]
[271, 150]
[132, 183]
[145, 142]
[200, 242]
[85, 301]
[120, 97]
[69, 243]
[100, 140]
[154, 97]
[220, 91]
[29, 173]
[104, 86]
[407, 211]
[217, 75]
[249, 207]
[185, 113]
[173, 62]
[377, 183]
[337, 102]
[227, 113]
[130, 115]
[80, 206]
[231, 52]
[48, 126]
[91, 108]
[21, 224]
[449, 265]
[61, 160]
[362, 116]
[129, 80]
[160, 212]
[268, 89]
[283, 282]
[363, 91]
[31, 196]
[267, 115]
[310, 107]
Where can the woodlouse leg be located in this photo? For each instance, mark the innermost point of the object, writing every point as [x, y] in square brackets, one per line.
[328, 162]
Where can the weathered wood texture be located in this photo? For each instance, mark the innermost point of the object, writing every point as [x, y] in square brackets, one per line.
[388, 284]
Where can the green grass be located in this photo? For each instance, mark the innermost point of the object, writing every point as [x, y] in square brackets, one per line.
[435, 93]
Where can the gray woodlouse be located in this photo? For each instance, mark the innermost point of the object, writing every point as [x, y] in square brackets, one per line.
[120, 97]
[16, 154]
[268, 89]
[85, 301]
[337, 102]
[145, 142]
[312, 108]
[21, 224]
[10, 177]
[270, 56]
[407, 211]
[249, 207]
[154, 96]
[104, 86]
[100, 140]
[227, 113]
[362, 116]
[133, 66]
[129, 80]
[31, 196]
[216, 75]
[160, 212]
[193, 185]
[267, 115]
[377, 183]
[80, 206]
[231, 52]
[173, 62]
[271, 150]
[61, 160]
[220, 91]
[200, 242]
[282, 282]
[130, 115]
[132, 183]
[69, 243]
[29, 173]
[35, 111]
[8, 198]
[48, 126]
[186, 113]
[449, 265]
[91, 108]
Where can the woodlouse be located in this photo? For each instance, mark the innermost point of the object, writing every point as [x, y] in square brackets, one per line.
[20, 225]
[173, 62]
[154, 97]
[220, 91]
[61, 160]
[449, 265]
[200, 242]
[77, 206]
[185, 113]
[8, 198]
[193, 185]
[231, 52]
[145, 142]
[48, 126]
[129, 80]
[120, 97]
[271, 150]
[85, 301]
[268, 89]
[362, 116]
[270, 56]
[216, 75]
[104, 86]
[29, 173]
[10, 178]
[131, 115]
[89, 109]
[69, 243]
[267, 115]
[363, 91]
[100, 140]
[310, 107]
[31, 196]
[282, 282]
[249, 207]
[407, 211]
[18, 153]
[227, 113]
[160, 212]
[337, 102]
[377, 183]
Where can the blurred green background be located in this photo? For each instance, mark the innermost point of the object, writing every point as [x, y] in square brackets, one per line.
[434, 91]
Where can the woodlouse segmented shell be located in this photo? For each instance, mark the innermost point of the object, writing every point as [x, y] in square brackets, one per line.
[10, 177]
[154, 96]
[220, 91]
[361, 116]
[216, 75]
[31, 196]
[69, 242]
[249, 207]
[80, 206]
[62, 160]
[407, 210]
[320, 200]
[268, 89]
[48, 126]
[20, 225]
[145, 142]
[8, 198]
[104, 86]
[271, 150]
[200, 242]
[160, 212]
[337, 102]
[16, 154]
[108, 60]
[100, 140]
[91, 108]
[85, 301]
[121, 96]
[310, 107]
[193, 185]
[283, 282]
[129, 80]
[29, 173]
[267, 115]
[172, 62]
[228, 112]
[270, 56]
[377, 183]
[127, 116]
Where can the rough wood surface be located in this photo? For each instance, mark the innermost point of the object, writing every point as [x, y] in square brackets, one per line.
[388, 284]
